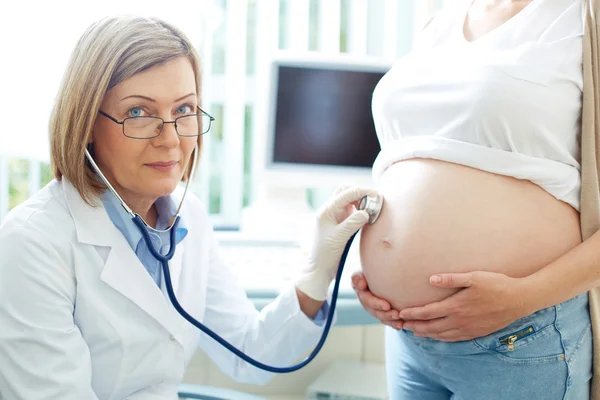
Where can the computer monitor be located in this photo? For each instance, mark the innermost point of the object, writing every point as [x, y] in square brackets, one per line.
[320, 127]
[317, 127]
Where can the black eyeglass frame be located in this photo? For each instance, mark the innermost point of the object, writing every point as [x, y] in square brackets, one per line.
[174, 122]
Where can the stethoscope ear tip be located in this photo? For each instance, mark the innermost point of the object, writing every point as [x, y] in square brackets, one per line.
[372, 205]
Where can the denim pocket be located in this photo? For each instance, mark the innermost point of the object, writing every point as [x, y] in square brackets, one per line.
[533, 339]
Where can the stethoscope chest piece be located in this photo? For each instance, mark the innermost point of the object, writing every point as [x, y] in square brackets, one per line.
[372, 205]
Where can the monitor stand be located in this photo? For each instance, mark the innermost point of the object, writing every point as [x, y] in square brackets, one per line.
[279, 211]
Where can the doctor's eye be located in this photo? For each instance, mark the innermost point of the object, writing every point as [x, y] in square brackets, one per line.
[135, 112]
[185, 109]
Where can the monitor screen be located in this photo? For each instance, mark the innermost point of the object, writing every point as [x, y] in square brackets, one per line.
[323, 117]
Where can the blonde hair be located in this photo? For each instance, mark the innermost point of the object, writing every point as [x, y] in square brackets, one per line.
[109, 52]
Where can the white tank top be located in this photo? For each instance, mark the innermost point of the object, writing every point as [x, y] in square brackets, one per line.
[507, 103]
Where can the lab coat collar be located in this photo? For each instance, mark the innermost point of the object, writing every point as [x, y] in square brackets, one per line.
[87, 219]
[123, 271]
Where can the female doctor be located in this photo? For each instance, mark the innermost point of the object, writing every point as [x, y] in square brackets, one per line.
[83, 307]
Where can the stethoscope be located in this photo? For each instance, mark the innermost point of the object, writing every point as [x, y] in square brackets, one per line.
[372, 205]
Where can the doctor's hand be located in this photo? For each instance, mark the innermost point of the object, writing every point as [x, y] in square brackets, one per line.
[337, 220]
[377, 307]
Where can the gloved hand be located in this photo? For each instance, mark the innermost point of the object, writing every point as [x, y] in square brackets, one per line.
[337, 220]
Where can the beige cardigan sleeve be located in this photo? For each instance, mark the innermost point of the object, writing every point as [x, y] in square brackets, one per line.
[590, 162]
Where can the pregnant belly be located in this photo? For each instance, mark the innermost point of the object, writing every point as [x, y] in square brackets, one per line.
[443, 217]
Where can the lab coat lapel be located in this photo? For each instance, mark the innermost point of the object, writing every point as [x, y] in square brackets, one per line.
[123, 271]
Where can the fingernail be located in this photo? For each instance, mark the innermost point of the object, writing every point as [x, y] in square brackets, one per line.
[436, 279]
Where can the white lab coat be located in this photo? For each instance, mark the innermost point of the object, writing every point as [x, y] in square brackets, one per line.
[80, 317]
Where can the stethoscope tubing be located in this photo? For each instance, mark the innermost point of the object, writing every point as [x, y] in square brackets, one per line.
[164, 260]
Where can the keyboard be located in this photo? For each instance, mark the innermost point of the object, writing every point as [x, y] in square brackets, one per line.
[272, 264]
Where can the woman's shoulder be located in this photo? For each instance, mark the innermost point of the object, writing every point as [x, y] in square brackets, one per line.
[559, 20]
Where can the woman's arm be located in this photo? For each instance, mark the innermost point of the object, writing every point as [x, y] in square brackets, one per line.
[576, 272]
[42, 352]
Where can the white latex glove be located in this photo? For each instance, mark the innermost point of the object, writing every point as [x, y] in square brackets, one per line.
[337, 220]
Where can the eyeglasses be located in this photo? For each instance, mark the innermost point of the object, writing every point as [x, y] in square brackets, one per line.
[150, 127]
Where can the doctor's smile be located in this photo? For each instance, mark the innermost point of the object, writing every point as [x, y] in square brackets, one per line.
[164, 166]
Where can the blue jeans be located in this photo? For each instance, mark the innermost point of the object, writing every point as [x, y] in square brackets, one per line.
[546, 355]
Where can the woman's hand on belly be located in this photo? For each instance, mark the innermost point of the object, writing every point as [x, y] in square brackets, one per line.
[377, 307]
[485, 303]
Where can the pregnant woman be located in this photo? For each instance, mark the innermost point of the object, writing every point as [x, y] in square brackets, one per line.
[478, 253]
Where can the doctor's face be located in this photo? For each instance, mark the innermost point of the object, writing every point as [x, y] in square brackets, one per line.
[141, 170]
